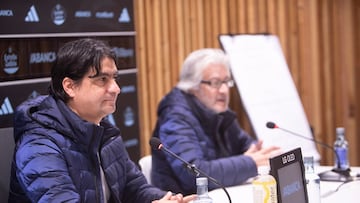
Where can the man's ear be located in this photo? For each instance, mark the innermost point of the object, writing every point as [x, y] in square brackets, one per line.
[69, 86]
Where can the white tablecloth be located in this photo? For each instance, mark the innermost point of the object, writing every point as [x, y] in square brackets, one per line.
[331, 192]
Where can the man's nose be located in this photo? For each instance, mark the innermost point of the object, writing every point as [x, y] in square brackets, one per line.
[114, 87]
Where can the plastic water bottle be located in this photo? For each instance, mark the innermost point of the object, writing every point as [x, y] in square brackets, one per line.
[341, 147]
[312, 181]
[202, 191]
[264, 186]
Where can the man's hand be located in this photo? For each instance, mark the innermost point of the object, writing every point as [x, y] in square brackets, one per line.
[178, 198]
[262, 155]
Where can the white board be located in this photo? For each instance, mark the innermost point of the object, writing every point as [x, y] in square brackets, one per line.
[268, 92]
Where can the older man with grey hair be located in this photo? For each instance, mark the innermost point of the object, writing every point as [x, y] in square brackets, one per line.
[195, 122]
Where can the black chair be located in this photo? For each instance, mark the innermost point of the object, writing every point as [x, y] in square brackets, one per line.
[6, 154]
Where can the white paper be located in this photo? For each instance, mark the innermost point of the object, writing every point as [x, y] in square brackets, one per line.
[268, 92]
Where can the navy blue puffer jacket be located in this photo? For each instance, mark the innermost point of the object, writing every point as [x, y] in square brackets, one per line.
[214, 143]
[56, 158]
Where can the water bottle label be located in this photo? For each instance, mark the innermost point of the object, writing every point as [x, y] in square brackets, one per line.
[264, 192]
[342, 153]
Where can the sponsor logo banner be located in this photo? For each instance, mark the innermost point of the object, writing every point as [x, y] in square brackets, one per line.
[68, 16]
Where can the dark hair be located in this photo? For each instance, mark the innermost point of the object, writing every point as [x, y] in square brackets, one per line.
[74, 59]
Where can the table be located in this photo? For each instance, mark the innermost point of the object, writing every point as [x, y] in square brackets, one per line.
[331, 192]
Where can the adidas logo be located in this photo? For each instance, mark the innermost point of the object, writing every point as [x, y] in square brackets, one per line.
[124, 16]
[6, 107]
[32, 15]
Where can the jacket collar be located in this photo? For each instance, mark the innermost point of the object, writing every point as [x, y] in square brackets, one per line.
[55, 114]
[209, 119]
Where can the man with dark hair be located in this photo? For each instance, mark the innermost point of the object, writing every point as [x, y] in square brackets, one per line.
[66, 150]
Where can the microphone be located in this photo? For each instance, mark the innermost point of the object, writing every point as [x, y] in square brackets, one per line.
[156, 144]
[337, 173]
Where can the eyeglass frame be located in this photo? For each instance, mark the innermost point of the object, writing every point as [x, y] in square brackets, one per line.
[216, 83]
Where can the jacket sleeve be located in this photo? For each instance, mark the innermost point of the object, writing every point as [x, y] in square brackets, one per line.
[185, 138]
[139, 188]
[125, 177]
[42, 171]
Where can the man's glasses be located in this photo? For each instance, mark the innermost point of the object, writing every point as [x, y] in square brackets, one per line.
[216, 83]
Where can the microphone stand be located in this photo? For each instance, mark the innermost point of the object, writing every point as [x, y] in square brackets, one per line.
[335, 174]
[189, 166]
[196, 171]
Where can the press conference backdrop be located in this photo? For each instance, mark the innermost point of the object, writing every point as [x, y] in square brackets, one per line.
[32, 31]
[18, 17]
